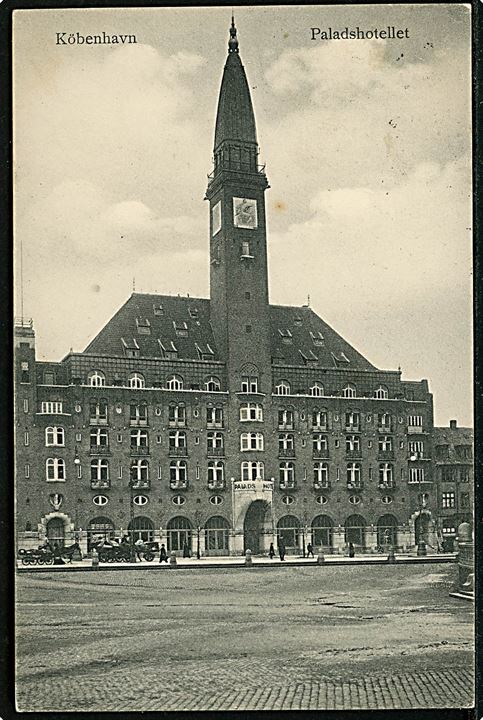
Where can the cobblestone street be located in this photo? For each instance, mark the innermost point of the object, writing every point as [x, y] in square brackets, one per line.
[290, 638]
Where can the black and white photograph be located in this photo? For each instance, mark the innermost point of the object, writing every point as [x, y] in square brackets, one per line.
[243, 358]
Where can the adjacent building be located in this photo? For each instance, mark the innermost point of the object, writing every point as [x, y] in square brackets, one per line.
[224, 423]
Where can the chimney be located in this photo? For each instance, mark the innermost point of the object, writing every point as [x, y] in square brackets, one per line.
[452, 424]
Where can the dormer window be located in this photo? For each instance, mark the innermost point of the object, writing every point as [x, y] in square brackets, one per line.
[158, 309]
[204, 353]
[286, 336]
[282, 388]
[193, 312]
[317, 338]
[213, 384]
[131, 349]
[169, 351]
[96, 379]
[340, 358]
[297, 321]
[181, 329]
[311, 359]
[143, 326]
[246, 250]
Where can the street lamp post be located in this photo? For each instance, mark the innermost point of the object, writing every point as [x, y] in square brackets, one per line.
[198, 531]
[131, 518]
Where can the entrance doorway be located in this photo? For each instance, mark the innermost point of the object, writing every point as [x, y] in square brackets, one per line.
[253, 526]
[56, 532]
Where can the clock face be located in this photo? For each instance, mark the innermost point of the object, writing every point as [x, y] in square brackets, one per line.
[245, 213]
[216, 218]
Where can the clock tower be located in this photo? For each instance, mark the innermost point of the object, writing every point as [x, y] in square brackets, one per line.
[238, 243]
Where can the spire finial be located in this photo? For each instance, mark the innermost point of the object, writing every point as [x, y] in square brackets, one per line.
[233, 41]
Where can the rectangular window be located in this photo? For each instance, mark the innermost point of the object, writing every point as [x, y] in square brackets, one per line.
[416, 475]
[51, 408]
[27, 470]
[79, 470]
[464, 474]
[463, 452]
[26, 438]
[119, 438]
[448, 474]
[119, 472]
[249, 384]
[448, 499]
[442, 452]
[25, 405]
[214, 417]
[465, 501]
[160, 474]
[78, 437]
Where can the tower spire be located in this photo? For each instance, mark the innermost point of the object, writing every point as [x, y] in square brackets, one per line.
[233, 41]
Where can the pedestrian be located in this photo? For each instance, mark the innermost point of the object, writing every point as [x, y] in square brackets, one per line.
[138, 548]
[310, 550]
[186, 551]
[271, 551]
[163, 555]
[281, 548]
[352, 551]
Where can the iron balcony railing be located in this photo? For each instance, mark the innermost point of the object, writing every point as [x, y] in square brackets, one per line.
[99, 450]
[215, 451]
[139, 450]
[100, 484]
[178, 451]
[286, 452]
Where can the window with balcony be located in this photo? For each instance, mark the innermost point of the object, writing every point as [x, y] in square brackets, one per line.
[286, 474]
[251, 441]
[349, 391]
[98, 412]
[415, 423]
[416, 475]
[320, 445]
[252, 470]
[99, 439]
[55, 469]
[178, 442]
[320, 420]
[99, 473]
[177, 415]
[140, 474]
[251, 412]
[249, 384]
[282, 388]
[286, 444]
[385, 445]
[215, 443]
[384, 423]
[386, 475]
[136, 381]
[214, 417]
[285, 419]
[353, 445]
[354, 475]
[353, 421]
[213, 384]
[448, 500]
[139, 442]
[416, 449]
[216, 475]
[317, 390]
[321, 475]
[54, 436]
[178, 474]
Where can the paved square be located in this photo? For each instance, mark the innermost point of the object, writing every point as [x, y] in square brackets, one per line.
[259, 638]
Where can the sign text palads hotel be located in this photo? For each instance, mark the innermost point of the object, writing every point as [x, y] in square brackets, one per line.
[225, 418]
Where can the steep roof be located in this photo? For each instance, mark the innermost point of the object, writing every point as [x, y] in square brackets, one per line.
[235, 119]
[153, 322]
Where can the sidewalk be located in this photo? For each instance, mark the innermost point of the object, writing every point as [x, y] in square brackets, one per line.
[233, 563]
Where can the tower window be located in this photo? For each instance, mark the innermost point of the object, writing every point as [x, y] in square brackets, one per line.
[246, 250]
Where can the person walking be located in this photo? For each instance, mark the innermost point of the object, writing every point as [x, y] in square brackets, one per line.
[163, 555]
[281, 548]
[310, 550]
[186, 551]
[352, 551]
[271, 551]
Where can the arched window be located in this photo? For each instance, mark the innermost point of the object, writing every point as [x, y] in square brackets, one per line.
[99, 473]
[141, 528]
[355, 527]
[286, 444]
[98, 412]
[177, 415]
[320, 445]
[217, 531]
[139, 441]
[354, 475]
[55, 469]
[178, 442]
[178, 474]
[175, 382]
[213, 384]
[321, 475]
[252, 470]
[282, 388]
[286, 472]
[317, 390]
[349, 391]
[387, 530]
[96, 378]
[138, 413]
[322, 526]
[215, 443]
[386, 475]
[320, 420]
[288, 530]
[179, 534]
[54, 436]
[140, 474]
[249, 384]
[99, 439]
[216, 475]
[251, 412]
[136, 381]
[381, 393]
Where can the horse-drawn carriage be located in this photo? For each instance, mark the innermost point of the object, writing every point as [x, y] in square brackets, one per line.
[112, 550]
[49, 554]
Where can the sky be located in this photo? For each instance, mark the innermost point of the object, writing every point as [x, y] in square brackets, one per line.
[367, 145]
